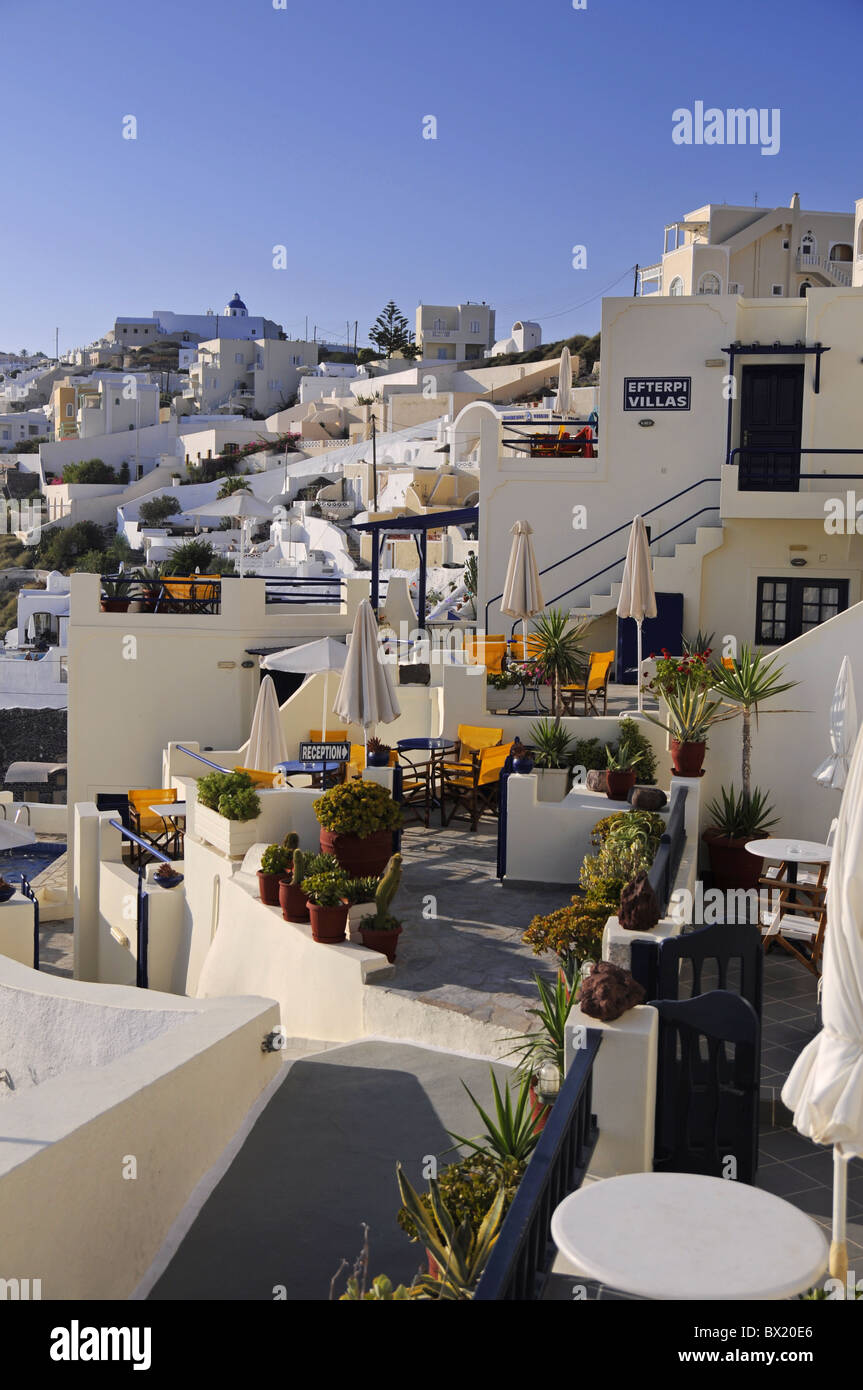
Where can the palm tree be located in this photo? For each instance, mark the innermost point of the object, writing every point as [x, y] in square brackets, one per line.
[752, 678]
[555, 644]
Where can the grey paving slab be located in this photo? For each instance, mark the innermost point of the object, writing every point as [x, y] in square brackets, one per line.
[321, 1160]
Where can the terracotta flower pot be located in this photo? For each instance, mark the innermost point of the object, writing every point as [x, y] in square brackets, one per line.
[618, 784]
[268, 888]
[292, 901]
[359, 857]
[114, 605]
[731, 863]
[383, 941]
[328, 923]
[687, 759]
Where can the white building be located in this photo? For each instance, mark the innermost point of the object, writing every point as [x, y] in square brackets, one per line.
[259, 375]
[525, 337]
[20, 425]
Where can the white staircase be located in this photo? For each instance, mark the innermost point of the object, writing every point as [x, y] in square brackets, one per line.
[679, 573]
[834, 272]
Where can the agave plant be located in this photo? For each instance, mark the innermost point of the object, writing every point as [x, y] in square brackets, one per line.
[741, 817]
[552, 744]
[691, 713]
[547, 1043]
[750, 680]
[511, 1134]
[460, 1253]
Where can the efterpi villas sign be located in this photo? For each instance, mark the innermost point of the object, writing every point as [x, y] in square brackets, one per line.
[657, 392]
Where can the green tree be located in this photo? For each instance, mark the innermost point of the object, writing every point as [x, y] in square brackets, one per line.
[156, 510]
[232, 485]
[59, 549]
[390, 333]
[89, 471]
[92, 562]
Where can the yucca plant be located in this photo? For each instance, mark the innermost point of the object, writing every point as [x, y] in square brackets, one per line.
[690, 715]
[551, 743]
[752, 678]
[555, 645]
[547, 1043]
[511, 1134]
[460, 1253]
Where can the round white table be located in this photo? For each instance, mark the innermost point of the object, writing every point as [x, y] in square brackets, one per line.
[791, 852]
[686, 1236]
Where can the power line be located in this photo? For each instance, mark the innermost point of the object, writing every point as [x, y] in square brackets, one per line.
[572, 309]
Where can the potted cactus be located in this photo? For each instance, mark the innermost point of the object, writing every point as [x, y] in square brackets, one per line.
[378, 753]
[276, 860]
[167, 877]
[328, 905]
[379, 931]
[357, 821]
[292, 899]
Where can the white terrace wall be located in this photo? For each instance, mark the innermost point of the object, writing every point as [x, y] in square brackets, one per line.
[137, 1065]
[138, 681]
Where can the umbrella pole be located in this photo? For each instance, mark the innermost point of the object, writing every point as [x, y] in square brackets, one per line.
[326, 702]
[638, 673]
[838, 1244]
[524, 638]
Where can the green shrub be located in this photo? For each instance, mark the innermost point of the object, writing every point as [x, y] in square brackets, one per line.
[241, 806]
[635, 744]
[358, 808]
[89, 471]
[468, 1188]
[572, 933]
[275, 859]
[157, 509]
[232, 794]
[326, 890]
[589, 753]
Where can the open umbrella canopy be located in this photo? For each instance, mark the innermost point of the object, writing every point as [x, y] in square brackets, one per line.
[242, 505]
[366, 694]
[325, 654]
[14, 837]
[825, 1087]
[833, 772]
[563, 399]
[266, 740]
[637, 594]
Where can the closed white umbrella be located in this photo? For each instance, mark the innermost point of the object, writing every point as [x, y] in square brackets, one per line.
[326, 655]
[522, 591]
[833, 772]
[825, 1087]
[267, 740]
[366, 694]
[637, 594]
[243, 506]
[563, 399]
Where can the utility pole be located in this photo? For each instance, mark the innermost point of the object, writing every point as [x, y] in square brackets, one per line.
[356, 327]
[307, 328]
[635, 285]
[57, 343]
[374, 465]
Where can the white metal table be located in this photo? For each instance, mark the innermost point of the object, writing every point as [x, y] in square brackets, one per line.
[687, 1236]
[172, 812]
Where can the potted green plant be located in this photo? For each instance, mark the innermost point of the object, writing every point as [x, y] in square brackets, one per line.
[149, 587]
[360, 893]
[378, 753]
[621, 774]
[115, 596]
[226, 810]
[380, 931]
[691, 712]
[357, 822]
[457, 1255]
[275, 861]
[542, 1052]
[292, 899]
[735, 819]
[555, 644]
[468, 1190]
[326, 895]
[522, 758]
[552, 750]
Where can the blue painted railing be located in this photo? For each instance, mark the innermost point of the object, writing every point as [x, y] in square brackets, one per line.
[667, 858]
[523, 1252]
[324, 589]
[27, 890]
[142, 922]
[216, 766]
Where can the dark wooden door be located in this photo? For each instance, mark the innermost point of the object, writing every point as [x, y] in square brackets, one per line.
[771, 413]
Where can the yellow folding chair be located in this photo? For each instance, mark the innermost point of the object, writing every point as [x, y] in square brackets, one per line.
[598, 676]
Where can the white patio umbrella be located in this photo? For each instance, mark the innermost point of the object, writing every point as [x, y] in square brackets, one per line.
[522, 590]
[563, 399]
[266, 740]
[243, 506]
[637, 594]
[833, 772]
[15, 837]
[825, 1087]
[366, 694]
[326, 654]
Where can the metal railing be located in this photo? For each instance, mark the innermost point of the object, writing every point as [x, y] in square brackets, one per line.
[216, 766]
[781, 452]
[27, 890]
[142, 914]
[170, 594]
[624, 526]
[666, 862]
[322, 589]
[520, 1261]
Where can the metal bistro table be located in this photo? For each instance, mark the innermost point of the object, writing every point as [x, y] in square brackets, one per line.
[426, 768]
[687, 1236]
[172, 812]
[331, 770]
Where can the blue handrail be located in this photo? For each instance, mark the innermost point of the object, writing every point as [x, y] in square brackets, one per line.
[27, 890]
[582, 550]
[180, 749]
[142, 922]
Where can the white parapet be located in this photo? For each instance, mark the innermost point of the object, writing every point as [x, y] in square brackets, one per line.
[17, 920]
[624, 1088]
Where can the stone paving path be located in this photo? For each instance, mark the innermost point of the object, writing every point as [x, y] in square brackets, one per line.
[469, 955]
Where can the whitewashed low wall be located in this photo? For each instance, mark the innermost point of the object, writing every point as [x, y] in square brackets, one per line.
[43, 817]
[546, 841]
[98, 1159]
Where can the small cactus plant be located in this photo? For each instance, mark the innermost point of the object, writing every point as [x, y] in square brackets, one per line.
[387, 888]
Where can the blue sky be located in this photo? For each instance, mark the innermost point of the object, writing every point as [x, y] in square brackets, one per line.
[303, 127]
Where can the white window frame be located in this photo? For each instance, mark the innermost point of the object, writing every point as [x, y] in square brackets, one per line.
[672, 290]
[709, 275]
